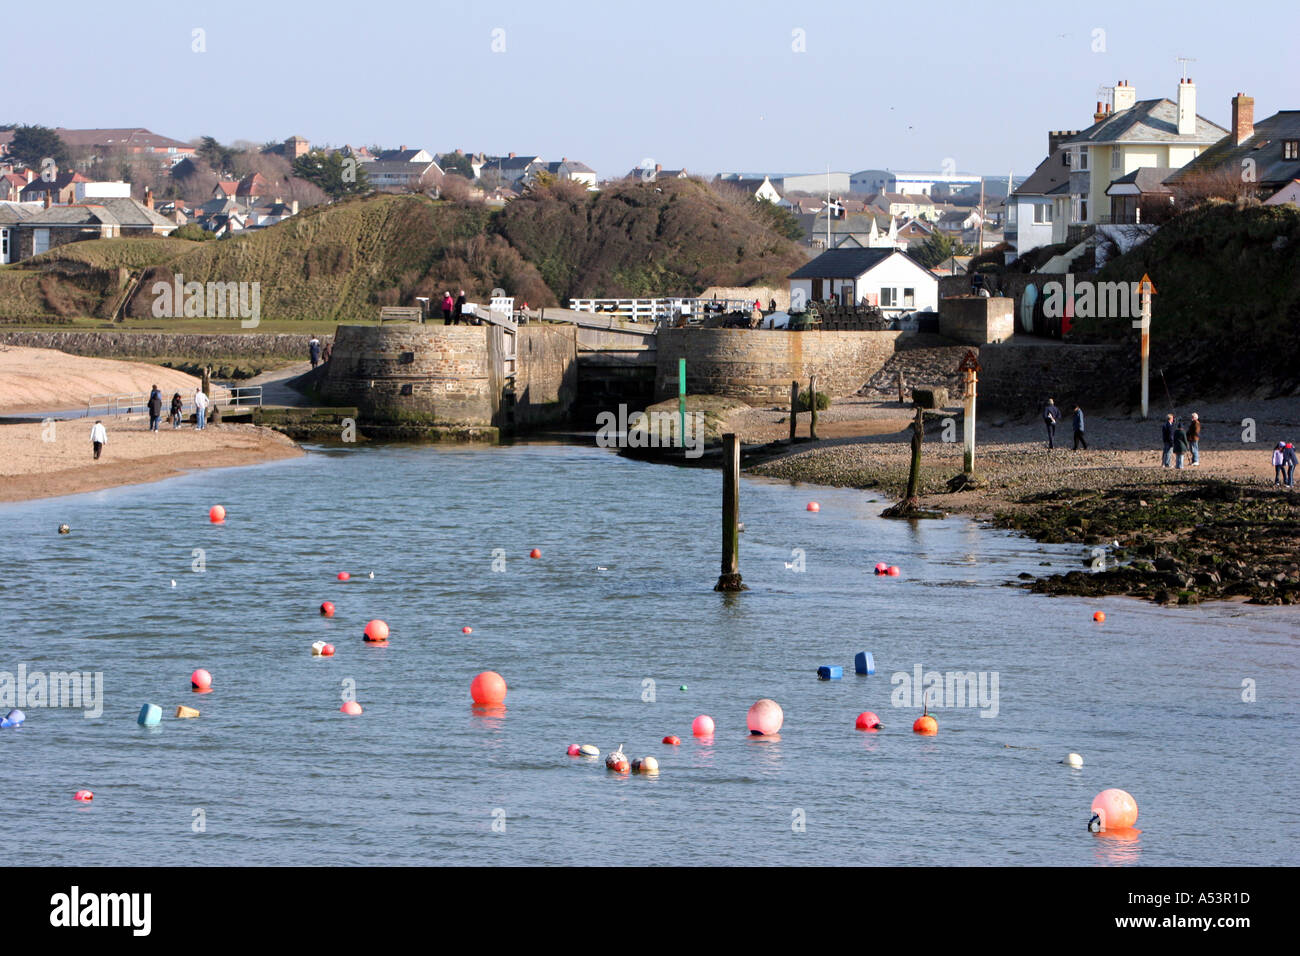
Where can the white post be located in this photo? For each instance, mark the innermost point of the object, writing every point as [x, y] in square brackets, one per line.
[1146, 287]
[968, 425]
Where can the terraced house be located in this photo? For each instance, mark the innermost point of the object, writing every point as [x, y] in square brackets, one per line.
[1266, 154]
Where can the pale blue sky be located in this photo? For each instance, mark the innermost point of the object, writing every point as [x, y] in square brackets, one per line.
[704, 85]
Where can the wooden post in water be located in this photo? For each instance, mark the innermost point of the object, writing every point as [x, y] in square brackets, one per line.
[969, 369]
[207, 381]
[794, 409]
[812, 406]
[914, 474]
[729, 579]
[901, 400]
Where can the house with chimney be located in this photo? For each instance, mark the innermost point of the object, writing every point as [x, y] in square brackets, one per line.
[1031, 205]
[12, 184]
[1126, 135]
[402, 170]
[648, 174]
[887, 278]
[568, 169]
[1266, 153]
[28, 230]
[60, 190]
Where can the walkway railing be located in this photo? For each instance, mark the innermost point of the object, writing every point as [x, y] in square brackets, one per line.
[656, 310]
[244, 396]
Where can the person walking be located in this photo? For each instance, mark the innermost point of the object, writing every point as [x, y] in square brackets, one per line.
[1167, 434]
[447, 304]
[155, 409]
[176, 409]
[1289, 460]
[1194, 438]
[1051, 418]
[313, 349]
[200, 409]
[1078, 429]
[1180, 444]
[98, 436]
[459, 309]
[1279, 463]
[326, 352]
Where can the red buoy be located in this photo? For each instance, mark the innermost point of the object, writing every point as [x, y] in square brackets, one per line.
[201, 680]
[467, 629]
[926, 726]
[1100, 617]
[327, 609]
[351, 708]
[488, 689]
[343, 576]
[376, 631]
[814, 506]
[672, 740]
[327, 650]
[881, 567]
[85, 796]
[535, 553]
[893, 571]
[217, 514]
[867, 720]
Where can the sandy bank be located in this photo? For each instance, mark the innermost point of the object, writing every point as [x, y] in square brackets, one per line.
[44, 460]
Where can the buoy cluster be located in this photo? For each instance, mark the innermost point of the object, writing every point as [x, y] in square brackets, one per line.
[884, 570]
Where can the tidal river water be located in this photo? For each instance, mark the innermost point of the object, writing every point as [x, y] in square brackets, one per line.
[613, 635]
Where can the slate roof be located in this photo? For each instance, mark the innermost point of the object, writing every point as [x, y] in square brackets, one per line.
[1147, 179]
[138, 137]
[1146, 121]
[132, 212]
[846, 263]
[1051, 174]
[1264, 147]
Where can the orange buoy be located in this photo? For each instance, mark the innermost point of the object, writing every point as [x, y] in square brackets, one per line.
[702, 726]
[1099, 617]
[893, 571]
[926, 726]
[85, 796]
[351, 708]
[881, 567]
[1114, 809]
[765, 717]
[814, 506]
[467, 629]
[672, 740]
[201, 680]
[327, 650]
[217, 514]
[488, 689]
[376, 631]
[343, 576]
[327, 609]
[535, 553]
[867, 720]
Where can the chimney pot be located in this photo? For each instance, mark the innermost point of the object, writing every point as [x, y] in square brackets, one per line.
[1243, 118]
[47, 199]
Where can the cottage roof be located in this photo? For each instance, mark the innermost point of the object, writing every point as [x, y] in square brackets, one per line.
[1264, 147]
[847, 263]
[1147, 121]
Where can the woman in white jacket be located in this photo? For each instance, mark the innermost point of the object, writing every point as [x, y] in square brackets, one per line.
[1279, 463]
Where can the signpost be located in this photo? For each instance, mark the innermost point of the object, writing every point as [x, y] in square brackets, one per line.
[681, 398]
[1147, 288]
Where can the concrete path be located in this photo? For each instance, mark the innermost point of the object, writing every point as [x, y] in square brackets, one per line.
[275, 387]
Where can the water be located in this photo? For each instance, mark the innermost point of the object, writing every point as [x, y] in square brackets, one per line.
[1152, 699]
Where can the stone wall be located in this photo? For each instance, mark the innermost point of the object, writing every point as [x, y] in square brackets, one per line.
[762, 293]
[146, 345]
[976, 320]
[413, 374]
[546, 385]
[1018, 377]
[757, 366]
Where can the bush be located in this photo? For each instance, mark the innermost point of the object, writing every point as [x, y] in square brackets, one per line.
[193, 231]
[823, 401]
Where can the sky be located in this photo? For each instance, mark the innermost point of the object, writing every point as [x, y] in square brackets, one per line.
[758, 85]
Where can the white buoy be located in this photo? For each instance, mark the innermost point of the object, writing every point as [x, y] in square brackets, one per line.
[173, 582]
[589, 750]
[1073, 760]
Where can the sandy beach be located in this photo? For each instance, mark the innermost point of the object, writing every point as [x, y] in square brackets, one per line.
[44, 460]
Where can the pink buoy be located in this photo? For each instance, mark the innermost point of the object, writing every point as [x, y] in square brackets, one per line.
[217, 514]
[343, 576]
[881, 567]
[327, 609]
[467, 630]
[351, 708]
[376, 631]
[867, 720]
[702, 726]
[201, 680]
[765, 717]
[893, 571]
[1114, 809]
[488, 689]
[85, 796]
[574, 750]
[814, 506]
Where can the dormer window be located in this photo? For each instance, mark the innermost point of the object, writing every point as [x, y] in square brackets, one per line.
[1083, 157]
[1291, 149]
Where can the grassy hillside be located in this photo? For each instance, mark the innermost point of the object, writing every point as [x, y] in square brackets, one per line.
[1226, 314]
[342, 262]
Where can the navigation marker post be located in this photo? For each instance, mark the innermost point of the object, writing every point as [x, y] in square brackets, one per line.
[1147, 288]
[681, 398]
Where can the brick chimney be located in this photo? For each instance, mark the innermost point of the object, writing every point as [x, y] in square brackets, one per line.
[48, 199]
[30, 175]
[659, 167]
[402, 148]
[1056, 137]
[1123, 96]
[1243, 118]
[1100, 114]
[1186, 107]
[511, 156]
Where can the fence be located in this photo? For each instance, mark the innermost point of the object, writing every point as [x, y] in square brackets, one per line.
[656, 310]
[247, 396]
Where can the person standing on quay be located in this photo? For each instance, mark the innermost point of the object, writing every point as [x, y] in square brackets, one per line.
[459, 309]
[1078, 429]
[155, 409]
[1194, 438]
[313, 349]
[1167, 433]
[1180, 444]
[98, 436]
[200, 409]
[447, 304]
[1051, 417]
[1289, 460]
[176, 409]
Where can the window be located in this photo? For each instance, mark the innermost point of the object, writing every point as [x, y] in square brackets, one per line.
[1042, 213]
[1083, 157]
[909, 298]
[886, 298]
[1116, 163]
[1291, 149]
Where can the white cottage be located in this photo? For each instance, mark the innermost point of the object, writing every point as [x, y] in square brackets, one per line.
[887, 278]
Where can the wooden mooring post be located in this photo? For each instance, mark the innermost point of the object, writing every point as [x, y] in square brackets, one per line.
[729, 579]
[794, 409]
[812, 407]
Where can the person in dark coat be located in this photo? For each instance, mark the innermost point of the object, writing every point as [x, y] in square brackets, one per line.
[155, 408]
[1051, 417]
[1167, 435]
[1194, 438]
[313, 349]
[1078, 429]
[1289, 460]
[459, 310]
[177, 407]
[1181, 447]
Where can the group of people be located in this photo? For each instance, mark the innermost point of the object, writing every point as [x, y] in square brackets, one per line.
[1052, 417]
[201, 402]
[453, 309]
[1284, 462]
[318, 353]
[1181, 440]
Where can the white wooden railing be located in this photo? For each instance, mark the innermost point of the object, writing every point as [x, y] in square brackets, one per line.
[655, 310]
